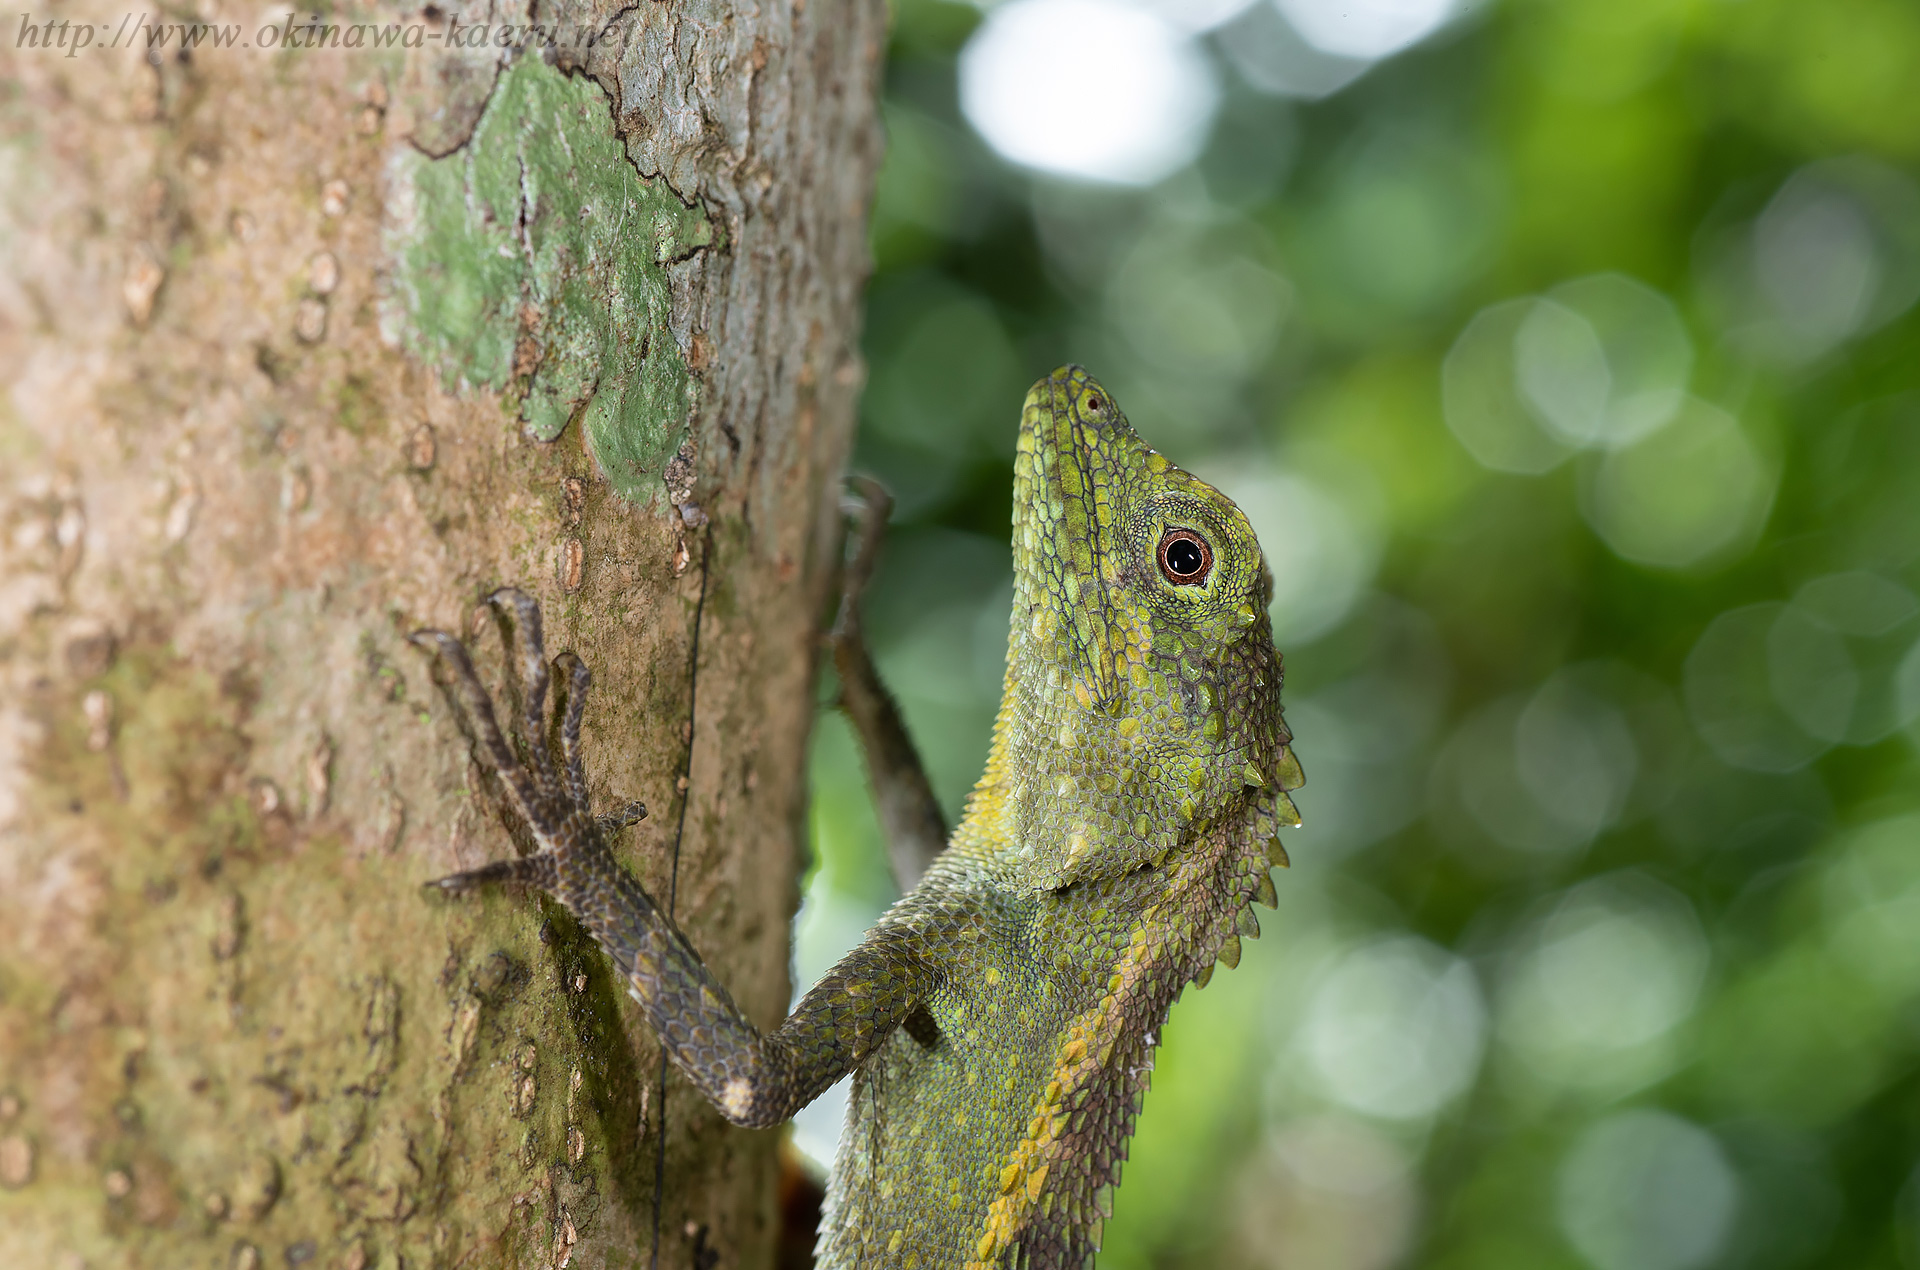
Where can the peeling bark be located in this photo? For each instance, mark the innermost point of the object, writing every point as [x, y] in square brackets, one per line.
[234, 1031]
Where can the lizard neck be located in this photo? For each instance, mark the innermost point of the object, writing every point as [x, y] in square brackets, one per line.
[1079, 789]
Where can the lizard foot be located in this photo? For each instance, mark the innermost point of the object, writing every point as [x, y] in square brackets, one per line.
[547, 795]
[866, 504]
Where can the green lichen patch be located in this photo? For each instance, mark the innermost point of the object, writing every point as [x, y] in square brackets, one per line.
[532, 261]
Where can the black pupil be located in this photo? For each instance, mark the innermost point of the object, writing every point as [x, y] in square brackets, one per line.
[1184, 558]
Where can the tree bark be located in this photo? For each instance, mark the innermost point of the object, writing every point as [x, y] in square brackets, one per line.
[308, 348]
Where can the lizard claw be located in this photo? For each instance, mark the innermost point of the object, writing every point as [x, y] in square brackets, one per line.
[536, 870]
[632, 814]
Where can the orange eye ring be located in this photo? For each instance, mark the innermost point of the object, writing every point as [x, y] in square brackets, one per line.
[1185, 557]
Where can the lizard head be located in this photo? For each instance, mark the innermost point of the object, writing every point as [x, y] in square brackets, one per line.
[1143, 687]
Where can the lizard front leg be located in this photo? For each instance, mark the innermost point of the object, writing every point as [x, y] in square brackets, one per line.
[910, 818]
[754, 1079]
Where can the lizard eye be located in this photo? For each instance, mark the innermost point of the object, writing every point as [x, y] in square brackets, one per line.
[1185, 557]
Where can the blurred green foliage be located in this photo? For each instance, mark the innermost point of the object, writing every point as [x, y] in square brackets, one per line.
[1568, 365]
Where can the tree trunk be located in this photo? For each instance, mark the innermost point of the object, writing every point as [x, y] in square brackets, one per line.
[308, 348]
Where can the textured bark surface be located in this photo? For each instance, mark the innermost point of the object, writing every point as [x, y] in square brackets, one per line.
[253, 435]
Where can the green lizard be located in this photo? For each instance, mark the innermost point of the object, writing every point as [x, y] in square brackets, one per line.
[1001, 1018]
